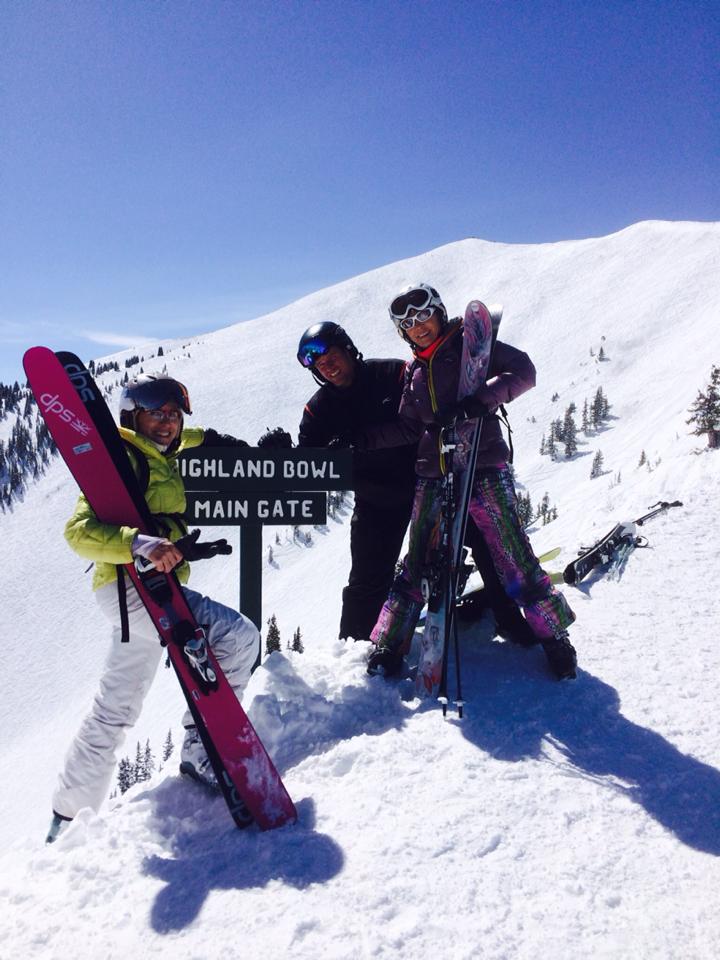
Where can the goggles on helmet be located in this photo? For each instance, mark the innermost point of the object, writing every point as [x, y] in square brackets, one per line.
[416, 299]
[312, 350]
[152, 394]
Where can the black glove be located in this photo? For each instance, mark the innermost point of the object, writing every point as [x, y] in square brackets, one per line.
[214, 439]
[275, 438]
[469, 408]
[192, 550]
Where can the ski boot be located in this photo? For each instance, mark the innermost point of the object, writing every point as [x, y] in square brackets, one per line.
[561, 656]
[57, 825]
[194, 761]
[195, 764]
[384, 662]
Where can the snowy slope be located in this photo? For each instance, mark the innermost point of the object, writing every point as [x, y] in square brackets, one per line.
[556, 819]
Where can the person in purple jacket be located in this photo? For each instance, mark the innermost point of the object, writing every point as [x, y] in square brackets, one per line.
[429, 401]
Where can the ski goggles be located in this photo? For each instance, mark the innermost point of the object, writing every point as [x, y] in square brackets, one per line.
[155, 393]
[416, 299]
[311, 352]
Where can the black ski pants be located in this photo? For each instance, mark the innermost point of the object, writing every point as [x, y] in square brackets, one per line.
[376, 539]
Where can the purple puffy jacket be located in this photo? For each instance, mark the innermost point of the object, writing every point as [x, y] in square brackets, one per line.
[431, 385]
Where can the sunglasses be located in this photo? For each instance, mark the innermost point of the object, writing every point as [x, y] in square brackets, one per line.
[172, 416]
[422, 316]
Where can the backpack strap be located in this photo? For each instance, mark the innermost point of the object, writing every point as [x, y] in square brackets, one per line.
[141, 466]
[501, 414]
[122, 604]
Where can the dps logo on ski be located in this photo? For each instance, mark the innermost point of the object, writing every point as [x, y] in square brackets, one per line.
[81, 381]
[52, 404]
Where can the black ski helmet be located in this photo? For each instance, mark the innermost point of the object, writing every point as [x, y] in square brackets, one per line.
[318, 339]
[417, 296]
[149, 391]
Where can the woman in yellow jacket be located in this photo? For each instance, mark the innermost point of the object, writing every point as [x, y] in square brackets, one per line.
[151, 417]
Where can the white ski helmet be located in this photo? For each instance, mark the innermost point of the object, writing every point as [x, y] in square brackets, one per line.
[418, 296]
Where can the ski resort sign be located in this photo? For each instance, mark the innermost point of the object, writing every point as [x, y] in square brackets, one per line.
[250, 487]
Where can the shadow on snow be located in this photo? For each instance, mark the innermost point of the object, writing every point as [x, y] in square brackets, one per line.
[212, 858]
[514, 708]
[208, 852]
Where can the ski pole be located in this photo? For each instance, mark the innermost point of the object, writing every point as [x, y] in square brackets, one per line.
[660, 506]
[459, 702]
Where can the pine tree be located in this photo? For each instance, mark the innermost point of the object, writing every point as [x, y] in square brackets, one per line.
[544, 507]
[139, 767]
[148, 762]
[272, 640]
[551, 446]
[297, 644]
[168, 746]
[705, 410]
[270, 556]
[597, 465]
[569, 433]
[125, 775]
[525, 509]
[643, 459]
[585, 423]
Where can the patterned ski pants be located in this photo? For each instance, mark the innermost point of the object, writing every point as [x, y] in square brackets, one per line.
[127, 675]
[493, 507]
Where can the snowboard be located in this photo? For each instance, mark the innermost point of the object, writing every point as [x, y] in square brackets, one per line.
[479, 333]
[88, 440]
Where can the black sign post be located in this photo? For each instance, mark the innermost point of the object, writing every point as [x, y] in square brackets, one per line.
[250, 487]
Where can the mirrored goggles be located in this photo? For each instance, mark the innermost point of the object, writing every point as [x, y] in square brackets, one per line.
[422, 316]
[311, 351]
[415, 299]
[152, 395]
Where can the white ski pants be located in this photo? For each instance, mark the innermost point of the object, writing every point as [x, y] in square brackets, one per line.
[127, 675]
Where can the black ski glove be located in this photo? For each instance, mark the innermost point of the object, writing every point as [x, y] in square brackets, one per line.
[192, 550]
[214, 439]
[277, 438]
[341, 443]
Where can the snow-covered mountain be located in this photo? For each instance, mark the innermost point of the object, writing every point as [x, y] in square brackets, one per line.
[563, 820]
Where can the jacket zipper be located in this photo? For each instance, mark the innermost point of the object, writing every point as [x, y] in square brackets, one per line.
[434, 407]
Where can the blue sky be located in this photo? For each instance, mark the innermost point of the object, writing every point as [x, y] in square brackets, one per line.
[173, 167]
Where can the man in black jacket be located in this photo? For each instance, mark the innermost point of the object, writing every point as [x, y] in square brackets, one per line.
[355, 393]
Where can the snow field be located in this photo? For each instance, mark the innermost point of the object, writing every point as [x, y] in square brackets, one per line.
[566, 820]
